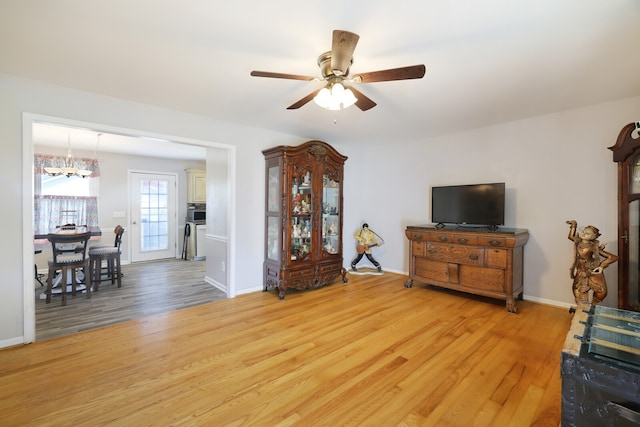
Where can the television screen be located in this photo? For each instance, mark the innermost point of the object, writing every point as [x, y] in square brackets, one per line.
[476, 204]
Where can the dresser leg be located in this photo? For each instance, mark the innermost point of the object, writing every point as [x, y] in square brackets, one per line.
[408, 283]
[511, 304]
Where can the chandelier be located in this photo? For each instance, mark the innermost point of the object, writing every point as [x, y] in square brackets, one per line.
[334, 96]
[70, 168]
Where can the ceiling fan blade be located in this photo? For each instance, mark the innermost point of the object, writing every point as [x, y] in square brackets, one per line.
[281, 75]
[344, 43]
[303, 101]
[402, 73]
[364, 103]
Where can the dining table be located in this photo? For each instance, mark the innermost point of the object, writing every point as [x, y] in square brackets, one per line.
[96, 232]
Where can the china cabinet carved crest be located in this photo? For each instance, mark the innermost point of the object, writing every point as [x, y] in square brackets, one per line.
[303, 217]
[626, 153]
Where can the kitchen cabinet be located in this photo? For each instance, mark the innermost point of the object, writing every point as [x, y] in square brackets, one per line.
[196, 186]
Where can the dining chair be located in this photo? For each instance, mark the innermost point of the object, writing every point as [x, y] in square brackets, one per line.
[110, 254]
[37, 276]
[69, 252]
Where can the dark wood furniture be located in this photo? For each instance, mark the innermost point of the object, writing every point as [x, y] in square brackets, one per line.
[303, 216]
[626, 153]
[600, 369]
[473, 260]
[98, 255]
[69, 249]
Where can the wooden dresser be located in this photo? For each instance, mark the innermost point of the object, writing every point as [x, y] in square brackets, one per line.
[474, 260]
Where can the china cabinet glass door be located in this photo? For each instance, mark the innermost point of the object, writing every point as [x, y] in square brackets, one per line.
[302, 217]
[273, 212]
[631, 285]
[330, 216]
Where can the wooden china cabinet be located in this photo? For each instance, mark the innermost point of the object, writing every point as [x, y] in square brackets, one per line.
[303, 217]
[626, 152]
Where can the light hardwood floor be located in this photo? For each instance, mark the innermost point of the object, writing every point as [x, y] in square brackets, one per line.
[147, 288]
[370, 352]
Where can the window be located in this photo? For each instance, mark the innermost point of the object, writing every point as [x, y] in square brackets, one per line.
[59, 200]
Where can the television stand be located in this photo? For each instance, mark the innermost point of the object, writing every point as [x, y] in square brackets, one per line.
[477, 261]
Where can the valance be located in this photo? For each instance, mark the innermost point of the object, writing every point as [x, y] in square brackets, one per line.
[41, 161]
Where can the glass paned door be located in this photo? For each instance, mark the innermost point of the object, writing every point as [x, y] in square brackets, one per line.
[330, 216]
[153, 216]
[301, 217]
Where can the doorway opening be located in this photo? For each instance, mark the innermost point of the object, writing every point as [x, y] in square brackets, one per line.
[29, 120]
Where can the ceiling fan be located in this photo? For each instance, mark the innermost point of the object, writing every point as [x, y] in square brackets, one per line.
[334, 68]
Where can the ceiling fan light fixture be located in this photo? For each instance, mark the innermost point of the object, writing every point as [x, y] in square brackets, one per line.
[335, 97]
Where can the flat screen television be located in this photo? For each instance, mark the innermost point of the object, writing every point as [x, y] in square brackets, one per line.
[474, 204]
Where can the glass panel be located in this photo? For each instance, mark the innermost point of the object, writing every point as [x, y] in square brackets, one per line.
[635, 176]
[153, 215]
[330, 215]
[634, 251]
[273, 247]
[301, 216]
[615, 334]
[273, 202]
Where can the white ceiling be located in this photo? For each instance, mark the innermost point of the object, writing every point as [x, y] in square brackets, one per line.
[487, 61]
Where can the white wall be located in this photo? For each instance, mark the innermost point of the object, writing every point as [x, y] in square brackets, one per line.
[556, 167]
[114, 188]
[18, 96]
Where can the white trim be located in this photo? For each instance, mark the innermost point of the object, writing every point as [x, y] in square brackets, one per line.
[29, 311]
[173, 212]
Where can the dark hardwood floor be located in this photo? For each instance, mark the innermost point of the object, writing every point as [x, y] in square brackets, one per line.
[148, 288]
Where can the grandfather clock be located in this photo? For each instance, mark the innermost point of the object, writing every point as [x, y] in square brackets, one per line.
[626, 152]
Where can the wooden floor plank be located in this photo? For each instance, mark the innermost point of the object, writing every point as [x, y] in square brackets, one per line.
[370, 352]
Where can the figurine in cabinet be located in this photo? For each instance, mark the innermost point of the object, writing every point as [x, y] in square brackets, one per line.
[366, 240]
[587, 269]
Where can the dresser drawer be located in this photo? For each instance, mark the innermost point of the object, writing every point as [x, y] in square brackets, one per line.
[429, 269]
[459, 254]
[418, 248]
[298, 274]
[496, 257]
[489, 279]
[498, 242]
[464, 239]
[429, 236]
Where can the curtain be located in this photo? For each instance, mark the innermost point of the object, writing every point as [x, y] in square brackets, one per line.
[52, 210]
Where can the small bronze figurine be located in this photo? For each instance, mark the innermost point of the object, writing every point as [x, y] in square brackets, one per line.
[587, 269]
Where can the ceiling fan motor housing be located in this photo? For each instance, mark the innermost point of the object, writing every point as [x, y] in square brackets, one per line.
[324, 62]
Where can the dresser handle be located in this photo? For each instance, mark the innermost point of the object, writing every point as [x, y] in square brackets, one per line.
[494, 242]
[462, 240]
[432, 251]
[442, 238]
[473, 257]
